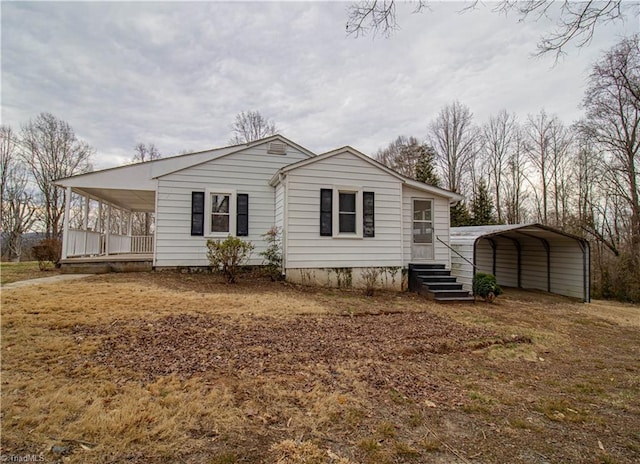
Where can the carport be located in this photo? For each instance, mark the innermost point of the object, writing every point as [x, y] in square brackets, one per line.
[527, 256]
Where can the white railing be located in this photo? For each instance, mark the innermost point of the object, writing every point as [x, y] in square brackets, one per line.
[83, 243]
[119, 244]
[142, 244]
[90, 243]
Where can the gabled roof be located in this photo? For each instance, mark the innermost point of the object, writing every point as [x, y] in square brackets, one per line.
[453, 197]
[238, 148]
[141, 176]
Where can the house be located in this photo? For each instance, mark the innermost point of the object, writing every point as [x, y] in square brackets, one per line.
[339, 212]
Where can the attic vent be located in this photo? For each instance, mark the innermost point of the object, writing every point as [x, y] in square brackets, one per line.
[277, 148]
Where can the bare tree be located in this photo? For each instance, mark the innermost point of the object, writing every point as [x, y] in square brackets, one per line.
[18, 208]
[141, 222]
[612, 103]
[52, 151]
[560, 158]
[143, 152]
[514, 182]
[576, 22]
[251, 125]
[401, 155]
[537, 133]
[498, 136]
[453, 136]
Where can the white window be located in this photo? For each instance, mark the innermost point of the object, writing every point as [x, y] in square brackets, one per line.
[221, 213]
[347, 216]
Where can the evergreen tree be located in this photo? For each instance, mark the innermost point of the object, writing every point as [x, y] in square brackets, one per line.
[460, 215]
[425, 167]
[482, 206]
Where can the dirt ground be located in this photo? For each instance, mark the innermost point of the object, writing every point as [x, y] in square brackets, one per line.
[166, 367]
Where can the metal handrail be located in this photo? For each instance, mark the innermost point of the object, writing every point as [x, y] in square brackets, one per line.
[447, 245]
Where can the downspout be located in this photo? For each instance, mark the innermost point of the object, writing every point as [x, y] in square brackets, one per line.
[155, 225]
[284, 180]
[402, 264]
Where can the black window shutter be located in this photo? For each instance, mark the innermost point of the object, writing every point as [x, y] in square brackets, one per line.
[326, 212]
[242, 215]
[368, 214]
[197, 213]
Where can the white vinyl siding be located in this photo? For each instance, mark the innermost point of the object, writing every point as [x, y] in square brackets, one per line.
[307, 249]
[440, 214]
[248, 171]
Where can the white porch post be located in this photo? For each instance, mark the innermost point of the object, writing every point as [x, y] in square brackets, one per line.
[65, 224]
[129, 230]
[108, 231]
[99, 226]
[85, 223]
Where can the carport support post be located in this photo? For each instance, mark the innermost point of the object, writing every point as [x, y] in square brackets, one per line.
[518, 248]
[65, 224]
[547, 248]
[493, 249]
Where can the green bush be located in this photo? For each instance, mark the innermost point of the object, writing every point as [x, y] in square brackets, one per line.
[273, 254]
[485, 285]
[226, 256]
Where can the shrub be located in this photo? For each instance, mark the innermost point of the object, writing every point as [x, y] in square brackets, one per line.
[370, 276]
[226, 256]
[485, 285]
[48, 252]
[273, 254]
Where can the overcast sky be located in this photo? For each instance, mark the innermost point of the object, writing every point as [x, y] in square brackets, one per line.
[176, 74]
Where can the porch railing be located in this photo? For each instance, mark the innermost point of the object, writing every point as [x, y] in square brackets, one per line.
[119, 244]
[84, 243]
[90, 243]
[142, 244]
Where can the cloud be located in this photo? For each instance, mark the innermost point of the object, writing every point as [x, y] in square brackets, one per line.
[176, 74]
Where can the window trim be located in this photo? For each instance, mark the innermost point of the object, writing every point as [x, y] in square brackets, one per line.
[337, 190]
[232, 213]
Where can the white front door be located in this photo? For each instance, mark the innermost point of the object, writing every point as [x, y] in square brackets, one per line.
[422, 230]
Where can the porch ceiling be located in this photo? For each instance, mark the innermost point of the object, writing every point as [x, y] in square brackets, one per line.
[132, 200]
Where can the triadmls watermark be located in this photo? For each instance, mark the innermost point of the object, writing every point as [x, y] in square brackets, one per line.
[22, 458]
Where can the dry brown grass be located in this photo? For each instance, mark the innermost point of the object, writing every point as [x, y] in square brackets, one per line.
[13, 272]
[141, 368]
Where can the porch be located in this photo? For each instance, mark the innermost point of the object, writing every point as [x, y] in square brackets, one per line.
[111, 229]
